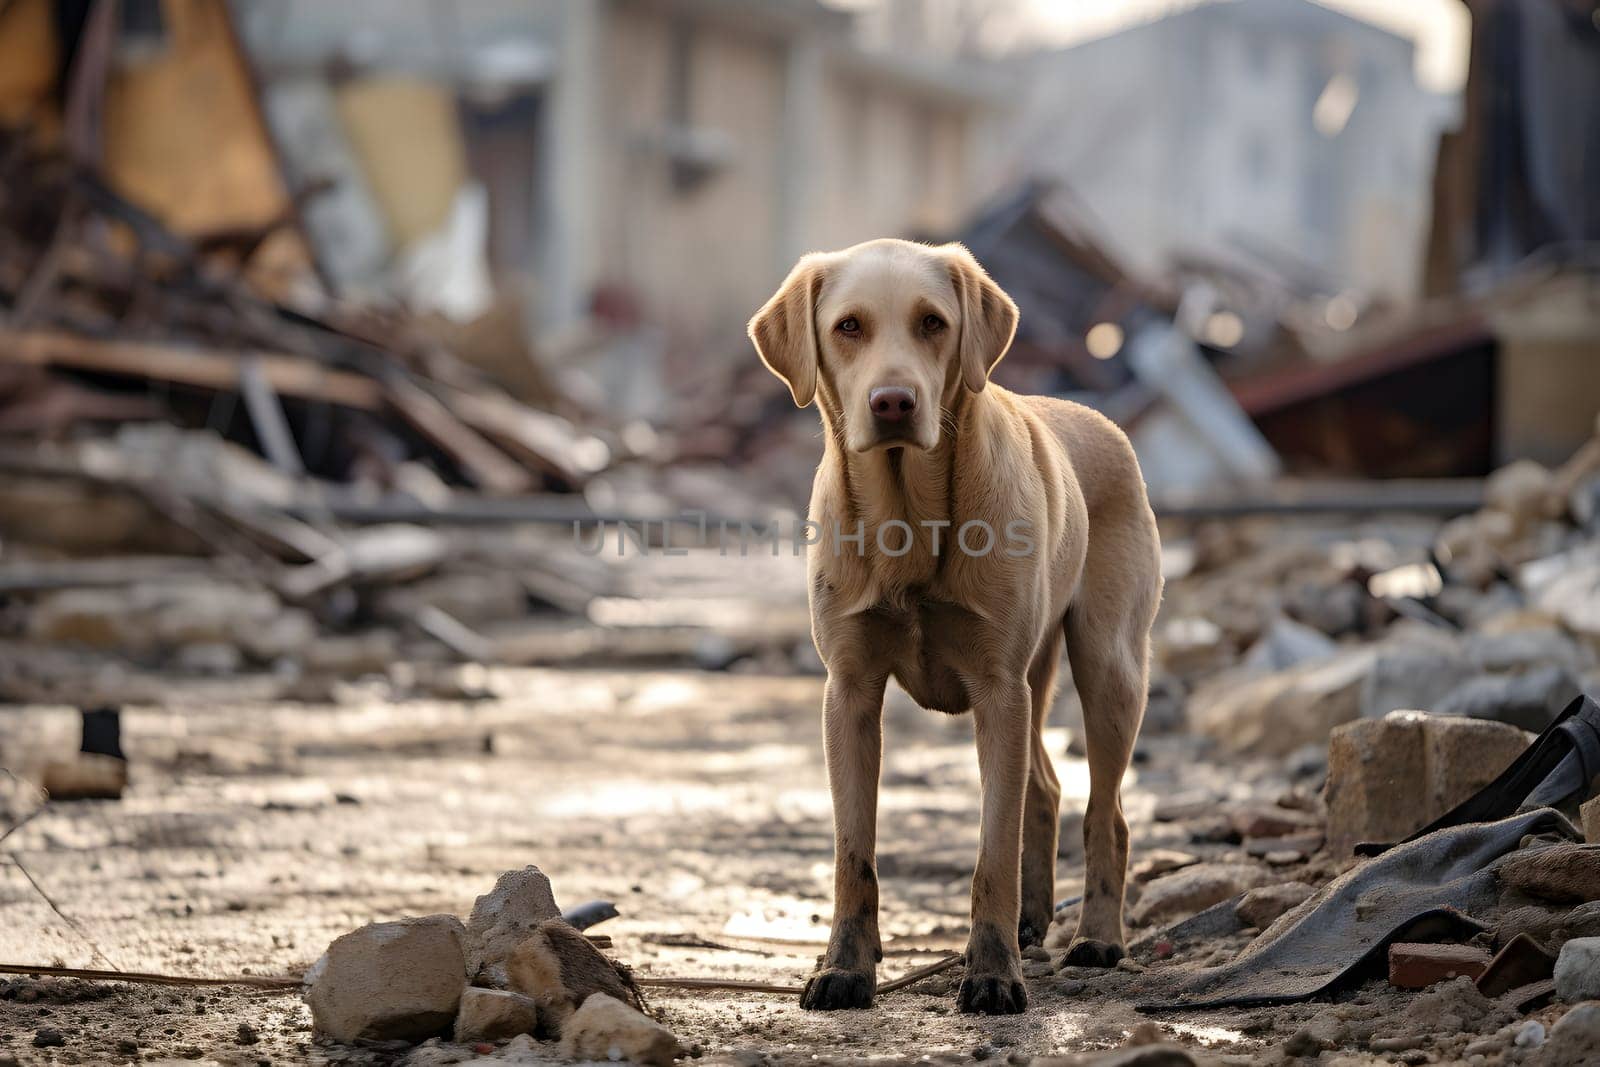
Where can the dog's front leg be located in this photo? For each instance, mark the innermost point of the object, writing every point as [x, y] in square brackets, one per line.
[993, 983]
[852, 730]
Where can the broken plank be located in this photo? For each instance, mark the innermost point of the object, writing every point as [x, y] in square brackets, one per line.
[482, 462]
[206, 368]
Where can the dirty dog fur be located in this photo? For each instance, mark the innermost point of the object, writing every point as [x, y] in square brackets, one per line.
[895, 342]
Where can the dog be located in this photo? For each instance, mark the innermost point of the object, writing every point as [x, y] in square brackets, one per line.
[967, 532]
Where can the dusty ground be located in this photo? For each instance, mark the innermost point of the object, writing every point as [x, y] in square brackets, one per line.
[255, 834]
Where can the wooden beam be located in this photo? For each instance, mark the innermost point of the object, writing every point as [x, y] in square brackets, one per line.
[194, 365]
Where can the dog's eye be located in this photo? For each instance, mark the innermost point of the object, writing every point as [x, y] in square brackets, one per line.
[932, 323]
[851, 326]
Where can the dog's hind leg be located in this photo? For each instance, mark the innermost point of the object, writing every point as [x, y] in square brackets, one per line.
[1041, 816]
[1108, 644]
[852, 729]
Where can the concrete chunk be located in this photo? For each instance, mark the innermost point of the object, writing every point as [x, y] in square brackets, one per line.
[1182, 893]
[494, 1015]
[504, 917]
[390, 981]
[1260, 907]
[1389, 777]
[1578, 970]
[605, 1028]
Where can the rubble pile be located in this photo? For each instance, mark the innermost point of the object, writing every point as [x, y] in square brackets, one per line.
[515, 972]
[1360, 679]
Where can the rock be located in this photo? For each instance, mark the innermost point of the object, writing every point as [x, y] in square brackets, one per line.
[1275, 714]
[158, 617]
[45, 1037]
[351, 655]
[1159, 861]
[1536, 642]
[1529, 1035]
[1410, 677]
[1260, 907]
[494, 1015]
[1389, 777]
[390, 981]
[1567, 873]
[1567, 586]
[1524, 490]
[1530, 701]
[503, 918]
[605, 1028]
[559, 968]
[1287, 643]
[1590, 814]
[246, 1035]
[86, 776]
[1418, 966]
[1578, 970]
[1574, 1040]
[1189, 645]
[1164, 710]
[1265, 820]
[1194, 889]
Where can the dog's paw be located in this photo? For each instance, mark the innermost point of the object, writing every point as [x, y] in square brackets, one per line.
[1086, 952]
[992, 994]
[833, 989]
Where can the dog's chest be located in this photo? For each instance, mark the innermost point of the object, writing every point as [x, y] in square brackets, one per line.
[930, 645]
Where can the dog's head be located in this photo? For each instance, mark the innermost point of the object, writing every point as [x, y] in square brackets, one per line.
[884, 335]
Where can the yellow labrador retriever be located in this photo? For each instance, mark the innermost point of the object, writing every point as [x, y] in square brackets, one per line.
[964, 532]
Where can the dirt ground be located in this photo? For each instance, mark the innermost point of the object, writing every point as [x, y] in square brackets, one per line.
[254, 834]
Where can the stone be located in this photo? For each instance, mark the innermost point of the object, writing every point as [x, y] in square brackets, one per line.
[390, 981]
[351, 655]
[1261, 907]
[1192, 644]
[1589, 813]
[1574, 1041]
[494, 1015]
[1578, 970]
[1529, 1035]
[503, 918]
[1418, 966]
[1521, 641]
[1266, 820]
[1159, 861]
[1389, 777]
[560, 969]
[86, 776]
[1525, 490]
[605, 1028]
[1194, 889]
[1566, 873]
[1287, 643]
[1530, 701]
[1275, 714]
[1411, 677]
[46, 1037]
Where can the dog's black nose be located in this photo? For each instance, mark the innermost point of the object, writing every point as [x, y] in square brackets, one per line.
[891, 403]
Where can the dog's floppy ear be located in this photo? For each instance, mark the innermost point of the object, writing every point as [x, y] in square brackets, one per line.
[784, 331]
[988, 318]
